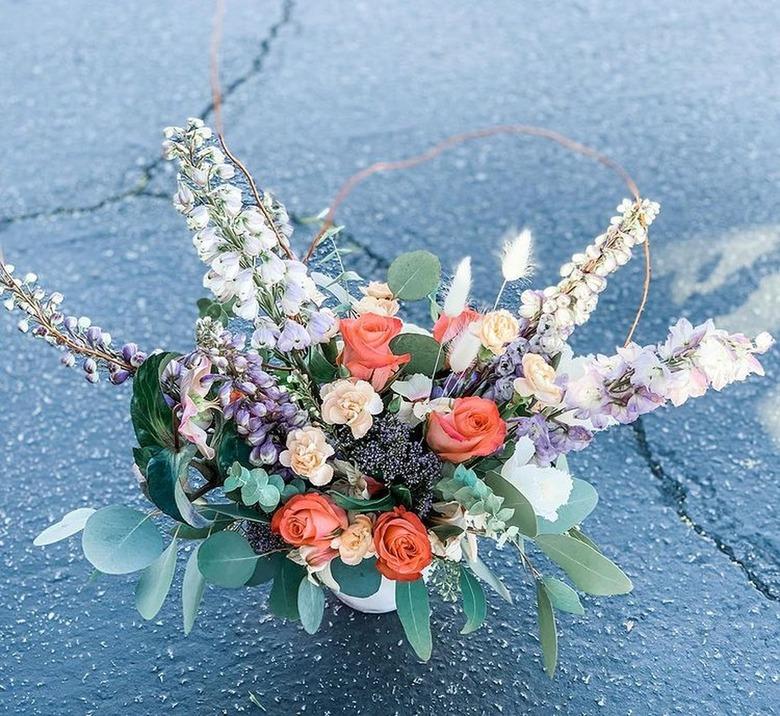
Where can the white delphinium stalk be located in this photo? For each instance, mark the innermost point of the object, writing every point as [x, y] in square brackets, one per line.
[552, 314]
[457, 297]
[516, 263]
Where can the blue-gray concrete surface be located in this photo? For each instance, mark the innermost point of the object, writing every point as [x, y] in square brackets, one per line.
[684, 94]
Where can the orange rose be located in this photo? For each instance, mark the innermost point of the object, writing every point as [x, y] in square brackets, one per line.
[367, 353]
[402, 546]
[310, 520]
[446, 328]
[473, 428]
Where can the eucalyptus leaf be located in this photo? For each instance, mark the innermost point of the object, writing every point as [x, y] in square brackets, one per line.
[590, 571]
[424, 351]
[481, 570]
[359, 580]
[414, 611]
[414, 275]
[155, 583]
[577, 533]
[191, 591]
[548, 635]
[68, 526]
[311, 605]
[265, 569]
[474, 604]
[227, 560]
[234, 510]
[120, 540]
[283, 600]
[524, 517]
[562, 596]
[582, 501]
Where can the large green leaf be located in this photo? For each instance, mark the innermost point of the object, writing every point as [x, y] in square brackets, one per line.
[231, 448]
[165, 475]
[548, 635]
[474, 604]
[226, 559]
[524, 517]
[590, 571]
[414, 275]
[155, 583]
[119, 540]
[283, 600]
[356, 504]
[582, 501]
[68, 526]
[414, 611]
[151, 416]
[424, 351]
[488, 577]
[265, 569]
[191, 591]
[234, 510]
[359, 580]
[311, 605]
[321, 369]
[562, 596]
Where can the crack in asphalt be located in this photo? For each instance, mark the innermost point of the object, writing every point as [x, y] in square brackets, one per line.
[148, 170]
[677, 494]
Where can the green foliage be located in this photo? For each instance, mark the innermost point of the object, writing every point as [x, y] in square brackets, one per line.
[232, 448]
[210, 308]
[425, 353]
[414, 275]
[155, 583]
[414, 611]
[119, 540]
[562, 596]
[581, 503]
[360, 580]
[481, 570]
[548, 635]
[151, 416]
[283, 600]
[227, 560]
[165, 476]
[523, 517]
[320, 368]
[590, 571]
[68, 526]
[474, 604]
[357, 504]
[256, 485]
[577, 533]
[231, 509]
[191, 591]
[311, 605]
[265, 569]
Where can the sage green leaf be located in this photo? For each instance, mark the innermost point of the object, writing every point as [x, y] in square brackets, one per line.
[359, 580]
[590, 571]
[283, 600]
[155, 583]
[425, 353]
[548, 635]
[68, 526]
[414, 275]
[577, 533]
[119, 540]
[524, 517]
[152, 418]
[474, 604]
[562, 596]
[582, 501]
[479, 568]
[234, 510]
[165, 475]
[191, 591]
[197, 533]
[414, 611]
[226, 559]
[311, 605]
[265, 570]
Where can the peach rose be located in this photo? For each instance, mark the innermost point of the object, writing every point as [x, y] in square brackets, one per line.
[473, 428]
[446, 328]
[352, 403]
[538, 380]
[402, 546]
[356, 542]
[378, 299]
[496, 329]
[367, 353]
[310, 520]
[306, 455]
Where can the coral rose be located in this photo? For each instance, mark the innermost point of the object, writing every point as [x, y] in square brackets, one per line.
[473, 428]
[310, 520]
[367, 353]
[402, 546]
[446, 327]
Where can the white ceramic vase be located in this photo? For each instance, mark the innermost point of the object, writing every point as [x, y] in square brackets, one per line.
[381, 602]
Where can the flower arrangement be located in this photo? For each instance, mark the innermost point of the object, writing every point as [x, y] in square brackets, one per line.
[315, 440]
